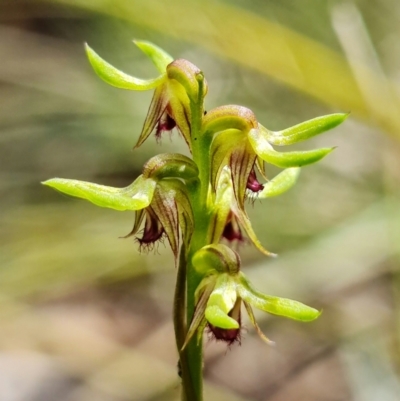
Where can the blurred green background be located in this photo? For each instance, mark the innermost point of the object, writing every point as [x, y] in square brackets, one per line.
[83, 315]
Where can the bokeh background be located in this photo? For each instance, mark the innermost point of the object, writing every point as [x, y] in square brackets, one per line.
[83, 315]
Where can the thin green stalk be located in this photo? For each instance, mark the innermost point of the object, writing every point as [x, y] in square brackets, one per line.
[189, 392]
[192, 357]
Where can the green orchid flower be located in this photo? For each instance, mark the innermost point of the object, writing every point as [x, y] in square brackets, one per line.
[241, 144]
[159, 196]
[180, 85]
[224, 289]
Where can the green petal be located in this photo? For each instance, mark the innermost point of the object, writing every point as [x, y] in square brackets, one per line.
[136, 196]
[280, 184]
[180, 109]
[158, 56]
[221, 302]
[185, 213]
[165, 206]
[305, 130]
[221, 148]
[256, 326]
[117, 78]
[206, 288]
[241, 163]
[221, 206]
[263, 149]
[274, 305]
[139, 217]
[246, 223]
[156, 109]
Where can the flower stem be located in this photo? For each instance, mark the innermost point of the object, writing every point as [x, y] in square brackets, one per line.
[189, 390]
[191, 358]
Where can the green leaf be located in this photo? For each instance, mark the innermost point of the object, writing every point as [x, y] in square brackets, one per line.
[158, 56]
[274, 305]
[117, 78]
[136, 196]
[280, 184]
[305, 130]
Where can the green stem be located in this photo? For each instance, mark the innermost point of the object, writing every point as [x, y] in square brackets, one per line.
[189, 389]
[191, 358]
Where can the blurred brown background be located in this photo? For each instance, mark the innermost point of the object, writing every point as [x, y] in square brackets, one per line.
[83, 315]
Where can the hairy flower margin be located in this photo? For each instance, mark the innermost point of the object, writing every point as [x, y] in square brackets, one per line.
[235, 147]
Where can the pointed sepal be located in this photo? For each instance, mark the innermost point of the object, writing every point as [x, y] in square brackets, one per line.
[275, 305]
[202, 295]
[221, 207]
[117, 78]
[246, 224]
[304, 130]
[253, 320]
[158, 56]
[280, 183]
[221, 301]
[136, 196]
[264, 150]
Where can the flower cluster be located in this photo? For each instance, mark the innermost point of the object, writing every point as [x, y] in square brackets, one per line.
[197, 202]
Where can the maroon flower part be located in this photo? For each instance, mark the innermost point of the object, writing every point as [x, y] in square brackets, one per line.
[165, 123]
[252, 182]
[171, 103]
[153, 230]
[232, 231]
[229, 336]
[168, 215]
